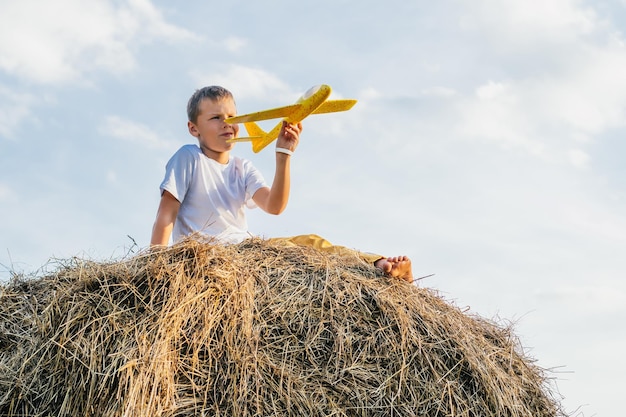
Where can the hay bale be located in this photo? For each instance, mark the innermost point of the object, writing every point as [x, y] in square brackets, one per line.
[252, 329]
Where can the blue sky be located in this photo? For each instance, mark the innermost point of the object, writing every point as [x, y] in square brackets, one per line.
[487, 144]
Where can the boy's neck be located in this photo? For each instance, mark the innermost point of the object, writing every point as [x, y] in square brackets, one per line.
[219, 157]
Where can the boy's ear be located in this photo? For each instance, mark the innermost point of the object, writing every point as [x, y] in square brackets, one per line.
[193, 129]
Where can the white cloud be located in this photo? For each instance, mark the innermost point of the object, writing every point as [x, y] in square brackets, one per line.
[248, 83]
[591, 95]
[6, 193]
[57, 42]
[235, 44]
[439, 91]
[369, 93]
[564, 77]
[111, 176]
[545, 114]
[134, 132]
[492, 91]
[141, 15]
[590, 298]
[498, 112]
[14, 108]
[578, 158]
[518, 23]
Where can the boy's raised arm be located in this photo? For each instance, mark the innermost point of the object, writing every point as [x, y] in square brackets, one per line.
[274, 200]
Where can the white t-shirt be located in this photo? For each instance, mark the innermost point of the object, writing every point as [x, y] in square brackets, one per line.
[212, 196]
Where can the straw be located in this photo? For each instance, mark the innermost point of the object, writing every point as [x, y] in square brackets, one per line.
[254, 329]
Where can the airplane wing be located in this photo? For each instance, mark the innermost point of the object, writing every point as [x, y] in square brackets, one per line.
[331, 106]
[276, 113]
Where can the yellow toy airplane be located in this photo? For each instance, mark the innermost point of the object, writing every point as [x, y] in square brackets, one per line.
[314, 101]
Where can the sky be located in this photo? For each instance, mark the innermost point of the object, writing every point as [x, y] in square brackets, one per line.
[487, 144]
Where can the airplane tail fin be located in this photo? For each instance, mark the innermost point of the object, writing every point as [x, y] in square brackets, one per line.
[262, 138]
[254, 130]
[259, 138]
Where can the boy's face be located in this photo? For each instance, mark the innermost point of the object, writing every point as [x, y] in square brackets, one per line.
[211, 130]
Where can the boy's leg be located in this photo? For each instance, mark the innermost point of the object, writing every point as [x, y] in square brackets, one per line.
[323, 245]
[397, 267]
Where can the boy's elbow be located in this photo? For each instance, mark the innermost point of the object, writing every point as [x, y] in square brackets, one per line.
[275, 210]
[274, 206]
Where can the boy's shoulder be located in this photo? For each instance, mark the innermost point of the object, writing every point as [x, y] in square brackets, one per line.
[186, 155]
[190, 148]
[187, 152]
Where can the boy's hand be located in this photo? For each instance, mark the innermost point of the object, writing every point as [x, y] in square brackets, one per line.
[289, 136]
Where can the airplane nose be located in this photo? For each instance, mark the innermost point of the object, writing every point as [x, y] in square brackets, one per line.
[311, 91]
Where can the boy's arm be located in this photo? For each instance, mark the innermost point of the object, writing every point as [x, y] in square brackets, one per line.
[274, 200]
[164, 223]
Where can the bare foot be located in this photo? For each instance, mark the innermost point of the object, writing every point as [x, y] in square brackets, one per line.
[396, 267]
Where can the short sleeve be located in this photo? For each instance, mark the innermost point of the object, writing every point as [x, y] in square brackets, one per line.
[178, 173]
[254, 181]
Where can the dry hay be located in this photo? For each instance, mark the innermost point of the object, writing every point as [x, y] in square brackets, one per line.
[252, 329]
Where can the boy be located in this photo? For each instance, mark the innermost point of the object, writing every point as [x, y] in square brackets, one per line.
[206, 189]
